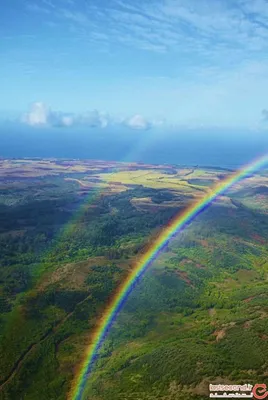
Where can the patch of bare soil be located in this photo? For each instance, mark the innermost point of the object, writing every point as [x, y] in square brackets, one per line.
[212, 312]
[220, 334]
[247, 324]
[184, 276]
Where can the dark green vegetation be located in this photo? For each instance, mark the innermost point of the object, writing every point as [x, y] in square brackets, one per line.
[198, 316]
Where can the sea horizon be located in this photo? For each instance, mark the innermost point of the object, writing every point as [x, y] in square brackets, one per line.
[197, 148]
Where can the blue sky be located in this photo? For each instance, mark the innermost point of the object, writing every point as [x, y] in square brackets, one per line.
[141, 64]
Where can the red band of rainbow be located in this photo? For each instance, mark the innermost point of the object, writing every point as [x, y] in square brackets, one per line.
[178, 223]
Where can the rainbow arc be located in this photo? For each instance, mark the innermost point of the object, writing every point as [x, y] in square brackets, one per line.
[176, 225]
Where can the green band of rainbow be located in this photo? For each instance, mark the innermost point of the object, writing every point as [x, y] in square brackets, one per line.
[176, 224]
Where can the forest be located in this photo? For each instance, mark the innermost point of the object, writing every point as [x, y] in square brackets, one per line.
[198, 314]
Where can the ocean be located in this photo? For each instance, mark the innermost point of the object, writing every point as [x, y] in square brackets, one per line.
[202, 148]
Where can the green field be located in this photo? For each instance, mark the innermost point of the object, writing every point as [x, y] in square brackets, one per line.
[71, 231]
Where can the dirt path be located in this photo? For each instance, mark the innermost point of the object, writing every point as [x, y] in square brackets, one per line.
[19, 363]
[188, 173]
[78, 181]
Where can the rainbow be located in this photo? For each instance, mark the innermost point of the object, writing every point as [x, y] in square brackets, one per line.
[178, 223]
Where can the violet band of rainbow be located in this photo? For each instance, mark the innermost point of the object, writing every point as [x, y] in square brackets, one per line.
[178, 223]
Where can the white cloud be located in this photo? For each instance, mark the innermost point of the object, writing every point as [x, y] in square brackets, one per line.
[213, 27]
[207, 51]
[94, 119]
[41, 115]
[67, 120]
[138, 122]
[38, 115]
[220, 30]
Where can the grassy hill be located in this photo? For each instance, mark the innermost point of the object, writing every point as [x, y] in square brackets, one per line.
[70, 232]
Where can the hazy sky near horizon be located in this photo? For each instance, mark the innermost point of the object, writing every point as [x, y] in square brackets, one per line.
[191, 63]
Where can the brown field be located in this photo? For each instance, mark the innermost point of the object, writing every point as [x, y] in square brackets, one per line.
[114, 177]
